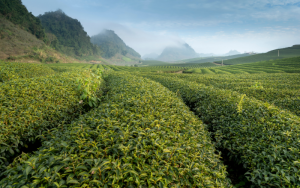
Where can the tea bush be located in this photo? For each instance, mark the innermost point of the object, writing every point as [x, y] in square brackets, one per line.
[280, 89]
[30, 106]
[141, 136]
[264, 138]
[10, 71]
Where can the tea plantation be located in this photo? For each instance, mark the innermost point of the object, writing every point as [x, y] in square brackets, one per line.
[94, 125]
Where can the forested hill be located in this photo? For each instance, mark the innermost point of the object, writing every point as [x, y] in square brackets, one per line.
[111, 44]
[67, 35]
[17, 13]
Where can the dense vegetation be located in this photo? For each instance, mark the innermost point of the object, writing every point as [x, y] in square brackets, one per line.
[256, 134]
[144, 132]
[281, 90]
[10, 71]
[31, 103]
[111, 44]
[140, 135]
[67, 35]
[17, 13]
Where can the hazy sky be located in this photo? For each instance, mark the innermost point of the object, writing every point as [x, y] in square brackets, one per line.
[209, 26]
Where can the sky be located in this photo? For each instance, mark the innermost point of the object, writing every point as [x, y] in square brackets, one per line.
[208, 26]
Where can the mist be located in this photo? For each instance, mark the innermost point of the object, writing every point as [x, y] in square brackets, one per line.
[142, 41]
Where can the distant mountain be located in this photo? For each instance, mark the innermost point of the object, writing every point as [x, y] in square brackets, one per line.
[67, 35]
[111, 44]
[17, 13]
[151, 56]
[206, 55]
[232, 52]
[183, 51]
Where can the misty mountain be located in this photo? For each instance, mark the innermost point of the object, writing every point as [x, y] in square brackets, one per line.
[111, 44]
[176, 53]
[206, 55]
[151, 56]
[232, 52]
[67, 35]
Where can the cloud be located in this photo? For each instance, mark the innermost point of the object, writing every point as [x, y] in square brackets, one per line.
[248, 41]
[209, 26]
[142, 41]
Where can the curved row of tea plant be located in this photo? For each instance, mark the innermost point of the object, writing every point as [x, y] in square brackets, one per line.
[262, 137]
[282, 90]
[142, 135]
[30, 106]
[10, 71]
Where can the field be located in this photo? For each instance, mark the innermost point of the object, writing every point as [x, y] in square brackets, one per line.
[185, 125]
[287, 65]
[210, 59]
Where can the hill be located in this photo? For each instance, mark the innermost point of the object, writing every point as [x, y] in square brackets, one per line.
[111, 45]
[293, 51]
[175, 53]
[17, 13]
[68, 36]
[17, 44]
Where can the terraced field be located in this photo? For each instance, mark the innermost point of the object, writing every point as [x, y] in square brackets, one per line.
[94, 125]
[288, 65]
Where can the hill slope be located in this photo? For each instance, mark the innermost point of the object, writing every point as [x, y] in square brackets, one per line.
[68, 36]
[17, 13]
[22, 46]
[183, 51]
[111, 45]
[293, 51]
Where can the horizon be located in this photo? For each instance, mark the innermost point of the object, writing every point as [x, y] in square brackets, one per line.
[207, 26]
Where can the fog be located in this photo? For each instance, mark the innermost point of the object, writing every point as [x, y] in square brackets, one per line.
[219, 43]
[148, 26]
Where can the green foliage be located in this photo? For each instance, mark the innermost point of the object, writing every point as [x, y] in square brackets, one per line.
[141, 136]
[67, 35]
[17, 13]
[31, 106]
[88, 86]
[281, 90]
[111, 44]
[264, 138]
[10, 71]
